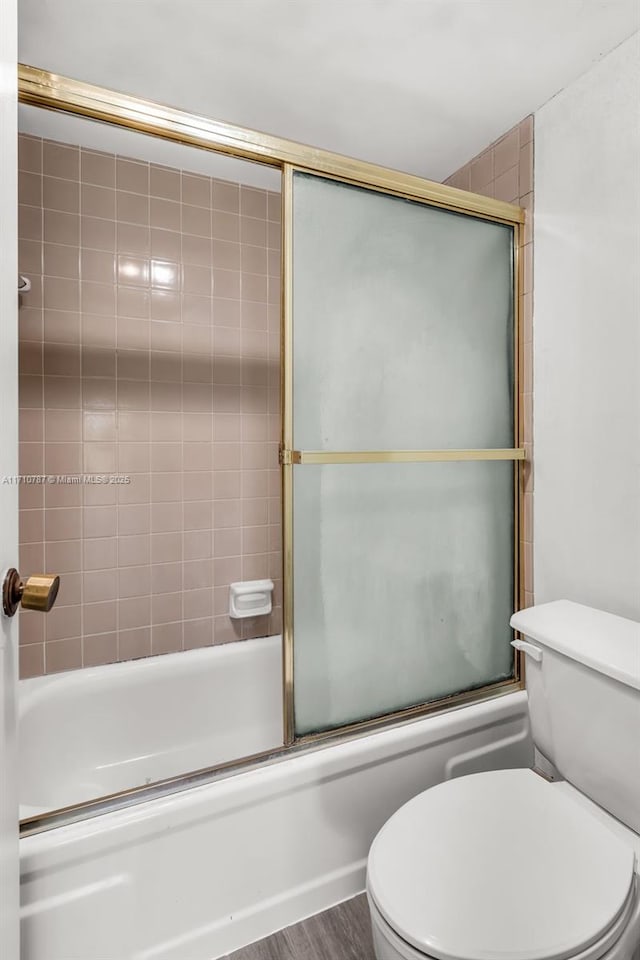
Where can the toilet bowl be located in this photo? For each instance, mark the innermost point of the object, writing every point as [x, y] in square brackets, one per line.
[505, 865]
[502, 866]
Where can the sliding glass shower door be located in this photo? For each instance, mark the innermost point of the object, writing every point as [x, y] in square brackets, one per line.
[400, 435]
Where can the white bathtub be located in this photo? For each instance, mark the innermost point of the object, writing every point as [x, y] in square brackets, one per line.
[197, 874]
[90, 733]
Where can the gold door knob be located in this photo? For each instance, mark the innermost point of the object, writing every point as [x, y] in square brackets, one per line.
[37, 592]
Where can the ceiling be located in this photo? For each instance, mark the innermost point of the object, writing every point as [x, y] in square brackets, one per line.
[419, 85]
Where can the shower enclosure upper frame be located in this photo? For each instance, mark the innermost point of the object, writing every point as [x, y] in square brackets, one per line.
[58, 93]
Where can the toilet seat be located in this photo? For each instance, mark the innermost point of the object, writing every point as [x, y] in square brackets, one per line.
[620, 941]
[500, 866]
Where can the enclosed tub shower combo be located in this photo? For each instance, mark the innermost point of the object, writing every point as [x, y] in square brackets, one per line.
[302, 371]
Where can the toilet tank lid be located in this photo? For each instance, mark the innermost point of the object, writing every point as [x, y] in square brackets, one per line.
[602, 641]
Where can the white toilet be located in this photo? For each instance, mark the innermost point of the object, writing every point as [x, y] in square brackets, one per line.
[508, 865]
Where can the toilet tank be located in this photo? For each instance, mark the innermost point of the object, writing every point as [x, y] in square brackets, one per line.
[583, 684]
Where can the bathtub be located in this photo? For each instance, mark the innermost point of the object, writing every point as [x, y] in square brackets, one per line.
[196, 874]
[91, 733]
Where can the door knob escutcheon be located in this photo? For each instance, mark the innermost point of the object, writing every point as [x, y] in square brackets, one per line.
[37, 592]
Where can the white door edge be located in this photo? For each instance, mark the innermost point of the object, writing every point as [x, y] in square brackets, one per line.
[9, 864]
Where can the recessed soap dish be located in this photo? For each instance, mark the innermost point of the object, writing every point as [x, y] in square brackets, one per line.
[250, 598]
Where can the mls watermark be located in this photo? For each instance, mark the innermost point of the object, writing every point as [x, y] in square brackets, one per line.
[65, 478]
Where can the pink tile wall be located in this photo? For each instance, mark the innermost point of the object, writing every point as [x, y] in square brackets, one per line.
[505, 171]
[149, 347]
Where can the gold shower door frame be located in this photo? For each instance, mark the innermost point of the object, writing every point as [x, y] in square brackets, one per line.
[58, 93]
[491, 210]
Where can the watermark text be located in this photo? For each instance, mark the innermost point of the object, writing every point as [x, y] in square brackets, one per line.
[29, 479]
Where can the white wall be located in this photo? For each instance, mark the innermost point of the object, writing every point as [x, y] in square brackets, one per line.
[587, 339]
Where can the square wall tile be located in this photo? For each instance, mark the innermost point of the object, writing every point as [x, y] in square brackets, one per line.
[98, 168]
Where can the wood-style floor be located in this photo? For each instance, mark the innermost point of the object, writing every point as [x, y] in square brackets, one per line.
[341, 933]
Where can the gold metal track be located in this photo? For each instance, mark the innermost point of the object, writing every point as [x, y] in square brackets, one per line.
[286, 442]
[397, 456]
[55, 92]
[31, 826]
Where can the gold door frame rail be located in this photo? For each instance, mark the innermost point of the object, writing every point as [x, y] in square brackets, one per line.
[56, 92]
[398, 456]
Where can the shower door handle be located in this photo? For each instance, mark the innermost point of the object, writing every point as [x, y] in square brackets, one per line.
[37, 592]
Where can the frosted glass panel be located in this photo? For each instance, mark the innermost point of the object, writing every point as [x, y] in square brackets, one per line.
[403, 323]
[403, 580]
